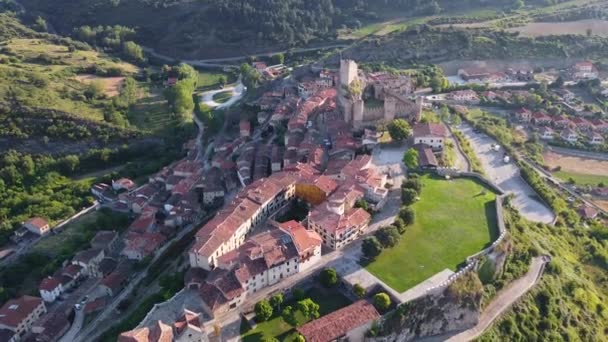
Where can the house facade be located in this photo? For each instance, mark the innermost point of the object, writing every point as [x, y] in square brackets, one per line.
[37, 225]
[17, 316]
[431, 134]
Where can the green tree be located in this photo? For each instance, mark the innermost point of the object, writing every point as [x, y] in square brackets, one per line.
[359, 291]
[412, 183]
[382, 301]
[309, 308]
[278, 58]
[94, 90]
[410, 159]
[407, 215]
[222, 80]
[400, 225]
[276, 301]
[362, 203]
[289, 316]
[388, 236]
[329, 277]
[456, 120]
[300, 338]
[559, 82]
[371, 247]
[408, 196]
[40, 24]
[133, 52]
[263, 310]
[439, 83]
[399, 130]
[444, 113]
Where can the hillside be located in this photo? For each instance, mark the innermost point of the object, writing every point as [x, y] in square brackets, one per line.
[68, 110]
[221, 28]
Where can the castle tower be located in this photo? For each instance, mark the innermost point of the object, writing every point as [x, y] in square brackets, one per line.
[390, 108]
[348, 71]
[358, 110]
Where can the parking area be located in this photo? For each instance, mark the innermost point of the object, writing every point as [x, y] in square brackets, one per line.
[507, 177]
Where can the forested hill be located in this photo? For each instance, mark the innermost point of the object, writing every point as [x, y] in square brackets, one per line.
[215, 28]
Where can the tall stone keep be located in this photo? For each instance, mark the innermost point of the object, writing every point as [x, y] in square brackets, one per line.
[390, 108]
[348, 71]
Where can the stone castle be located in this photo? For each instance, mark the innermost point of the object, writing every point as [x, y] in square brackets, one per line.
[368, 98]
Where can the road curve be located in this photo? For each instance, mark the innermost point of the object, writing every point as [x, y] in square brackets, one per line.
[504, 300]
[237, 93]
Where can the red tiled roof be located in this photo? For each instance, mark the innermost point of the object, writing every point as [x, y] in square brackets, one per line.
[37, 222]
[302, 238]
[72, 270]
[95, 305]
[15, 311]
[115, 280]
[336, 324]
[429, 129]
[145, 243]
[159, 332]
[49, 284]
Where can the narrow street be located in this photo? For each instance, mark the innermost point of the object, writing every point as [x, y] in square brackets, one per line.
[504, 300]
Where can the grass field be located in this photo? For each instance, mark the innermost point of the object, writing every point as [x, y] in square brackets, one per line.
[582, 179]
[328, 300]
[152, 113]
[454, 219]
[222, 97]
[211, 79]
[580, 27]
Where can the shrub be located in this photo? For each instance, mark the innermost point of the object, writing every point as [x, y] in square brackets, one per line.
[388, 236]
[263, 310]
[371, 247]
[412, 183]
[359, 291]
[382, 301]
[407, 215]
[298, 293]
[408, 196]
[329, 277]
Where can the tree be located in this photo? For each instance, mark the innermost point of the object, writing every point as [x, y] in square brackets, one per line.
[408, 196]
[399, 129]
[382, 301]
[371, 247]
[456, 120]
[276, 301]
[559, 82]
[444, 113]
[362, 203]
[410, 159]
[400, 225]
[40, 24]
[133, 51]
[309, 308]
[359, 291]
[289, 316]
[263, 310]
[438, 83]
[278, 58]
[329, 277]
[518, 4]
[300, 338]
[222, 80]
[412, 183]
[407, 215]
[388, 236]
[94, 90]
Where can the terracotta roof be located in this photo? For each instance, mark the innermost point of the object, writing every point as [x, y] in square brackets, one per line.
[336, 324]
[426, 157]
[37, 222]
[145, 243]
[95, 305]
[429, 129]
[54, 325]
[188, 319]
[144, 221]
[303, 239]
[72, 270]
[15, 311]
[159, 332]
[115, 280]
[587, 212]
[49, 284]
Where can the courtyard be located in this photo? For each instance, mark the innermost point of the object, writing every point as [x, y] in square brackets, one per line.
[454, 219]
[329, 300]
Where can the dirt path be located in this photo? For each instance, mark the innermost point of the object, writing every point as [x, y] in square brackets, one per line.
[504, 300]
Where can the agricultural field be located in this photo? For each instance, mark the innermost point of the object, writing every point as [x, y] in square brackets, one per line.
[584, 171]
[580, 27]
[441, 237]
[111, 85]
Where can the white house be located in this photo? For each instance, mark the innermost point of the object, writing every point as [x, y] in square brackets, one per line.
[546, 133]
[37, 225]
[569, 135]
[50, 289]
[431, 134]
[595, 138]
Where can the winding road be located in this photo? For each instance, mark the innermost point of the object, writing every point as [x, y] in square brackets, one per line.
[504, 300]
[238, 91]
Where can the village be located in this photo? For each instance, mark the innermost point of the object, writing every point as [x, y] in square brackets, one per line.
[291, 196]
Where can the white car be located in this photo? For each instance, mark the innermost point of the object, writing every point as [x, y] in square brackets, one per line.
[78, 306]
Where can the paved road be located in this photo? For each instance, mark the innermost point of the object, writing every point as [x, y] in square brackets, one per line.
[237, 93]
[578, 153]
[506, 176]
[504, 300]
[75, 328]
[218, 62]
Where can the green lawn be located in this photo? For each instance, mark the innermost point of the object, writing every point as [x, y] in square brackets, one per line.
[211, 79]
[581, 179]
[222, 97]
[454, 219]
[328, 300]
